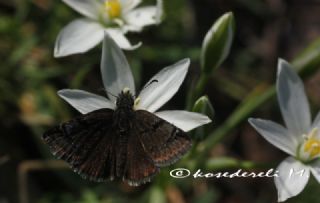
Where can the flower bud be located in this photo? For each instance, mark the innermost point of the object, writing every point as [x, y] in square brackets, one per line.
[217, 42]
[203, 106]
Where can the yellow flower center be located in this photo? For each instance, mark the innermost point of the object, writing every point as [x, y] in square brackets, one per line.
[113, 8]
[311, 146]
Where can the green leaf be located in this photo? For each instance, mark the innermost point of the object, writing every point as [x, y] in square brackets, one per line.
[309, 58]
[217, 43]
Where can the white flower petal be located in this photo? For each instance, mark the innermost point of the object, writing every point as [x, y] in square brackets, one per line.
[292, 100]
[85, 102]
[293, 177]
[315, 169]
[77, 37]
[275, 134]
[169, 79]
[118, 36]
[89, 8]
[128, 5]
[140, 17]
[115, 70]
[184, 120]
[316, 122]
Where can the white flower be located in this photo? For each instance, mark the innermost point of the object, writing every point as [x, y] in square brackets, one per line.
[301, 139]
[117, 76]
[116, 17]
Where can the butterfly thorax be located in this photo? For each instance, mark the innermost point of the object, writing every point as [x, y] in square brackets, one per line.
[124, 111]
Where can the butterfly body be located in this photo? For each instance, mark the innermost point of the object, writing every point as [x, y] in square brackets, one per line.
[124, 112]
[123, 143]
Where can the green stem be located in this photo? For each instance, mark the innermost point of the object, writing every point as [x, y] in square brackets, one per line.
[248, 106]
[198, 90]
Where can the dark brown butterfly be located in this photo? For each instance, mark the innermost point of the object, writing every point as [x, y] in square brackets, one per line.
[123, 143]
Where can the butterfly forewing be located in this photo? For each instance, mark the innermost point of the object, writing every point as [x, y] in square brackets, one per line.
[86, 143]
[163, 142]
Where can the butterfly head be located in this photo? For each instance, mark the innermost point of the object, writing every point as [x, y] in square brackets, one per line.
[125, 99]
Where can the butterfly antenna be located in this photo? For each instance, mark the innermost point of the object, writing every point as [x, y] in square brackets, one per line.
[152, 81]
[147, 85]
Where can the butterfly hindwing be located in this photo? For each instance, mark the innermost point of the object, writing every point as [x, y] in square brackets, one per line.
[86, 143]
[163, 142]
[139, 168]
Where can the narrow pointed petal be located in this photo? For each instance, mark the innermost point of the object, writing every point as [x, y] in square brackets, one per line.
[168, 81]
[85, 102]
[293, 177]
[275, 134]
[315, 169]
[184, 120]
[77, 37]
[144, 16]
[118, 36]
[88, 8]
[292, 100]
[115, 70]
